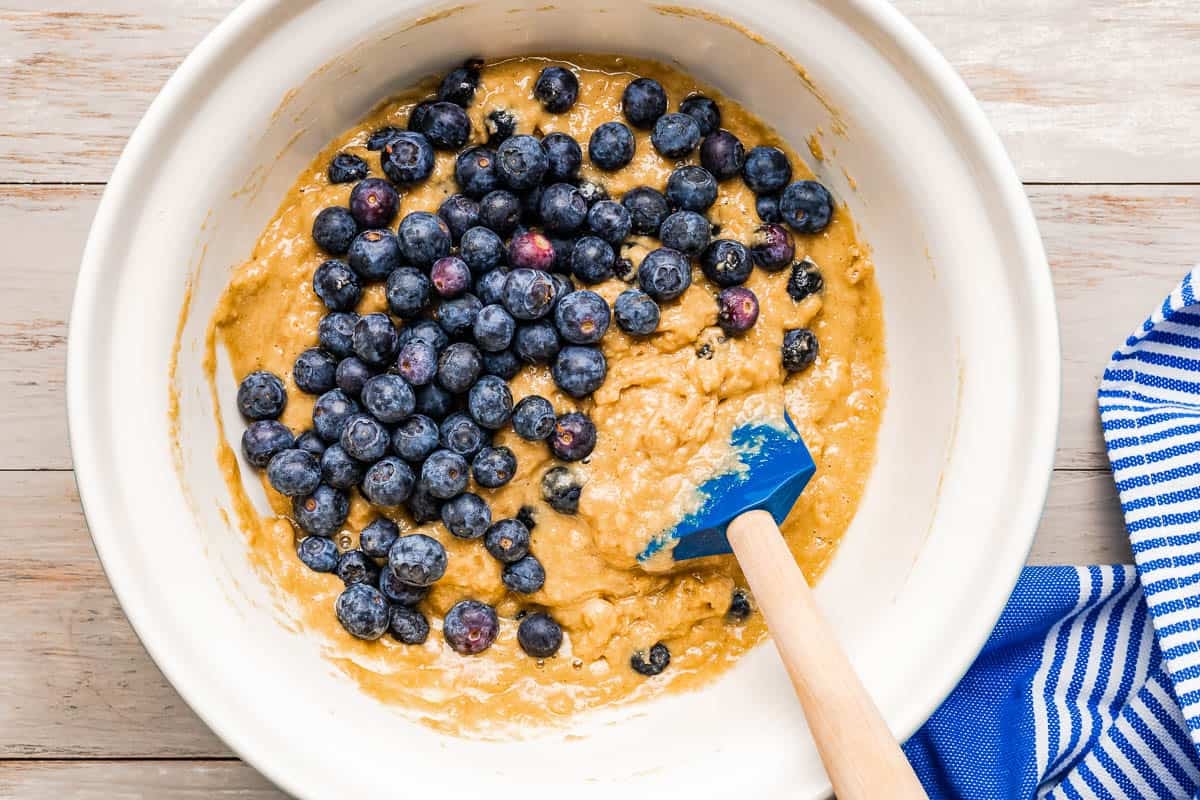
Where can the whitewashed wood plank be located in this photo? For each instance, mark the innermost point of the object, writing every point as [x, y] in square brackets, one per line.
[133, 780]
[77, 683]
[1080, 90]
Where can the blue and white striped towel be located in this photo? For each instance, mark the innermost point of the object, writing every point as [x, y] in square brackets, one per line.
[1089, 687]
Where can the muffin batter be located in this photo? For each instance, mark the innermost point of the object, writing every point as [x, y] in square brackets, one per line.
[663, 418]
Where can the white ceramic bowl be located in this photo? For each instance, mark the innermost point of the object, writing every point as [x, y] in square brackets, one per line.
[965, 451]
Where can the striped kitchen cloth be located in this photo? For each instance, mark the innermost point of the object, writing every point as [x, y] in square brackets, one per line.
[1089, 686]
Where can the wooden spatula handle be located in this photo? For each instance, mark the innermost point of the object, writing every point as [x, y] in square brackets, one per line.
[861, 756]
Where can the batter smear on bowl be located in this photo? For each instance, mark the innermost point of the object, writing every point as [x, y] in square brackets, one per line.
[492, 341]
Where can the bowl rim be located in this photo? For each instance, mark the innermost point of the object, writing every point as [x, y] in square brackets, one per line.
[90, 477]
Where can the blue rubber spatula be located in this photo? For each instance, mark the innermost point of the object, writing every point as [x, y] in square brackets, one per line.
[740, 514]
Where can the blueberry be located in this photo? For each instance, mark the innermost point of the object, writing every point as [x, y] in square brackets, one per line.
[481, 249]
[293, 472]
[611, 146]
[702, 109]
[460, 83]
[314, 371]
[459, 434]
[533, 418]
[647, 209]
[407, 292]
[592, 259]
[536, 343]
[507, 540]
[335, 333]
[417, 362]
[423, 506]
[355, 567]
[737, 310]
[556, 89]
[407, 158]
[334, 229]
[652, 663]
[582, 317]
[475, 172]
[500, 124]
[522, 162]
[665, 274]
[800, 349]
[470, 627]
[418, 115]
[685, 231]
[323, 512]
[446, 125]
[427, 331]
[489, 288]
[351, 374]
[805, 280]
[363, 611]
[459, 366]
[500, 211]
[330, 413]
[562, 287]
[408, 626]
[424, 238]
[434, 402]
[740, 608]
[337, 285]
[722, 154]
[636, 313]
[318, 553]
[692, 188]
[561, 490]
[564, 157]
[381, 136]
[531, 250]
[444, 474]
[766, 170]
[389, 398]
[467, 516]
[726, 262]
[263, 439]
[525, 516]
[539, 636]
[592, 192]
[574, 437]
[378, 537]
[450, 276]
[562, 208]
[338, 469]
[494, 328]
[579, 371]
[374, 203]
[364, 438]
[493, 467]
[457, 317]
[310, 442]
[375, 339]
[490, 402]
[643, 102]
[772, 248]
[261, 396]
[399, 592]
[528, 294]
[415, 438]
[503, 364]
[417, 559]
[610, 221]
[460, 213]
[767, 206]
[388, 482]
[346, 167]
[525, 576]
[806, 206]
[675, 135]
[623, 268]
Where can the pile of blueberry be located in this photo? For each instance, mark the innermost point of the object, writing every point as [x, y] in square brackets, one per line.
[408, 401]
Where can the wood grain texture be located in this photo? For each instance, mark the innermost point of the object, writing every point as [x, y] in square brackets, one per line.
[133, 780]
[79, 685]
[1115, 251]
[1080, 90]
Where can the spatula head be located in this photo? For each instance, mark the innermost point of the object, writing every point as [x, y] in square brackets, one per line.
[773, 468]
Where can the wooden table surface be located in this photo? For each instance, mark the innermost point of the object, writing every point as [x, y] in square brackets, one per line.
[1096, 101]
